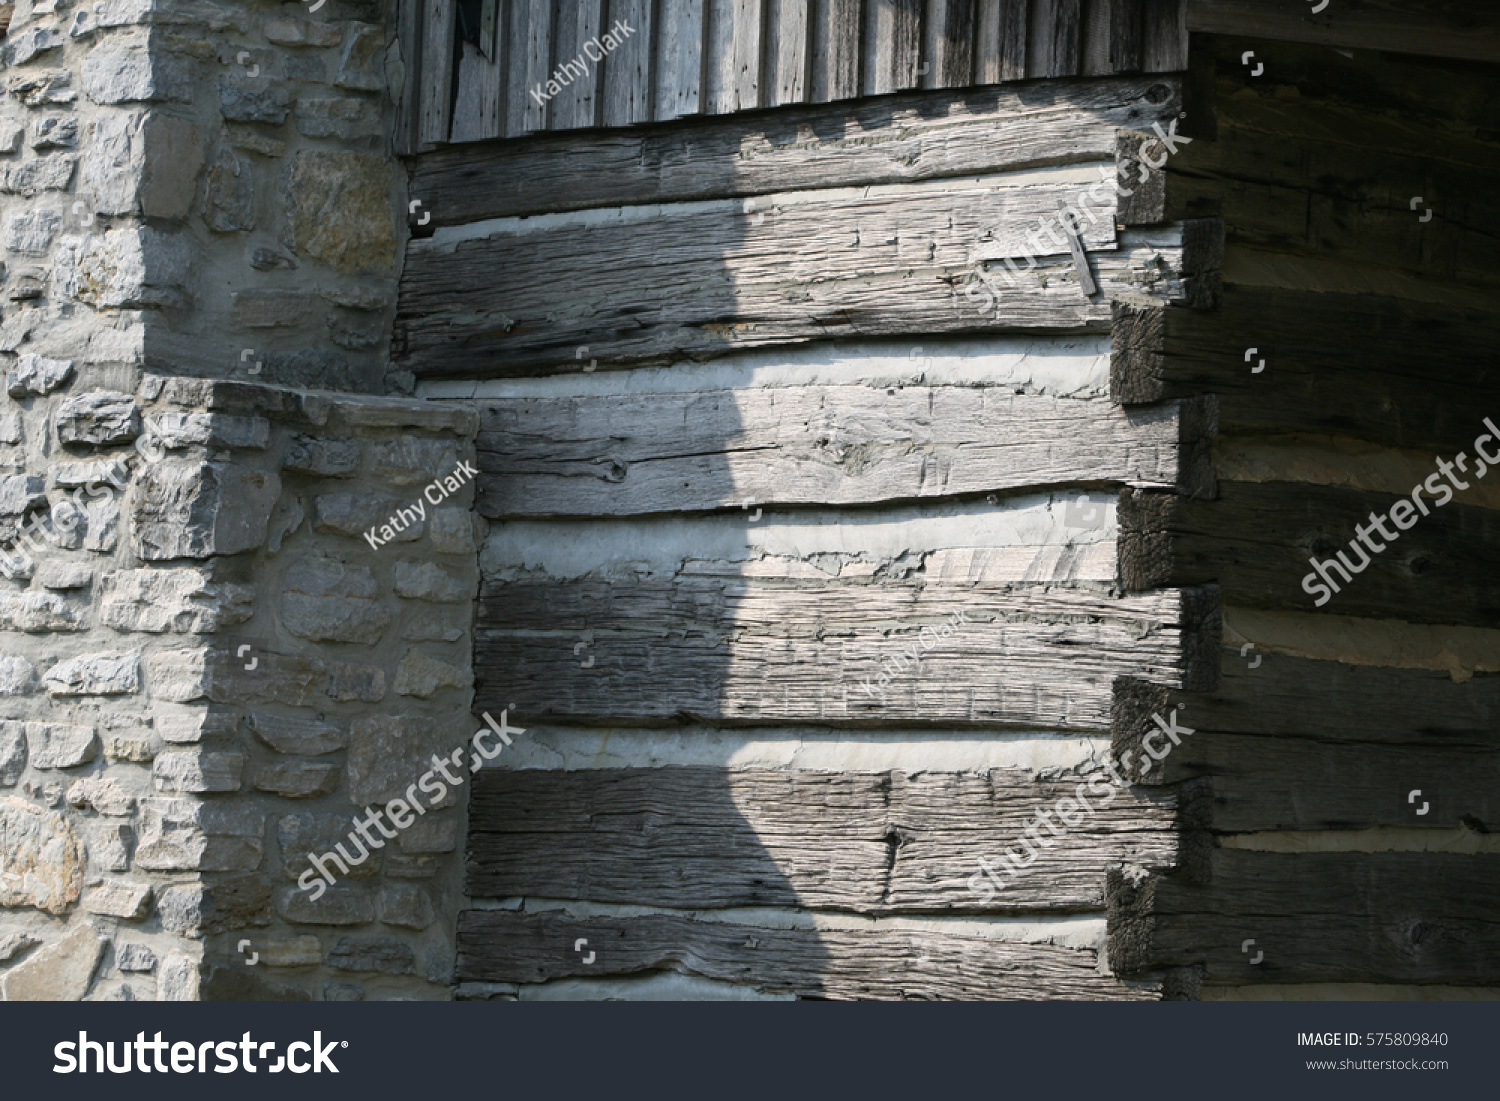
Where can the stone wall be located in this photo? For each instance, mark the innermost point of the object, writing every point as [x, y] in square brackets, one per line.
[210, 669]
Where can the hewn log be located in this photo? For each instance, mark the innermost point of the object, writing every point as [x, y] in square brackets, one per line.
[917, 136]
[728, 650]
[1407, 374]
[1419, 918]
[623, 455]
[867, 843]
[1257, 542]
[1450, 28]
[506, 946]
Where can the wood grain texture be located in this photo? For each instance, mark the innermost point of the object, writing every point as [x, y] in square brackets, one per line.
[407, 138]
[683, 27]
[838, 32]
[577, 23]
[868, 843]
[629, 77]
[923, 135]
[892, 45]
[1256, 541]
[505, 946]
[788, 54]
[948, 44]
[1164, 38]
[1407, 374]
[1418, 918]
[1447, 28]
[631, 455]
[437, 73]
[756, 650]
[530, 66]
[1294, 744]
[478, 111]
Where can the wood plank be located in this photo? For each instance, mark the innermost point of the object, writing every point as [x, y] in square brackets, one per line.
[578, 23]
[703, 283]
[1447, 28]
[920, 135]
[1164, 38]
[625, 455]
[948, 45]
[838, 36]
[892, 45]
[683, 27]
[506, 946]
[628, 74]
[530, 67]
[438, 45]
[1275, 761]
[1256, 542]
[1126, 27]
[1410, 375]
[408, 111]
[749, 47]
[1098, 21]
[479, 110]
[788, 58]
[719, 57]
[1410, 918]
[857, 842]
[719, 649]
[1055, 39]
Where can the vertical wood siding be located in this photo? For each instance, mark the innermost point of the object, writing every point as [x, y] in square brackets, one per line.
[716, 57]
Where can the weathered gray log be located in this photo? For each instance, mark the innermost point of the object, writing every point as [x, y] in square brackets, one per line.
[917, 136]
[1458, 30]
[868, 843]
[705, 283]
[1420, 918]
[1408, 374]
[507, 946]
[1257, 542]
[755, 651]
[625, 455]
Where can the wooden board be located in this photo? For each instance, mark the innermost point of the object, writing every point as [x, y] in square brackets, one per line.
[506, 946]
[1255, 541]
[892, 45]
[682, 26]
[838, 31]
[789, 51]
[756, 651]
[625, 455]
[869, 843]
[1409, 918]
[629, 77]
[948, 44]
[1055, 39]
[479, 110]
[578, 23]
[530, 66]
[1445, 29]
[437, 73]
[917, 136]
[407, 138]
[1411, 375]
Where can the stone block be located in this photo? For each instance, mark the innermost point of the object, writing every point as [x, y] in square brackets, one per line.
[110, 169]
[54, 132]
[139, 748]
[355, 515]
[177, 430]
[102, 794]
[422, 676]
[253, 100]
[177, 980]
[27, 44]
[292, 952]
[42, 862]
[38, 613]
[417, 580]
[60, 972]
[60, 745]
[40, 89]
[304, 837]
[101, 417]
[12, 753]
[182, 835]
[325, 600]
[406, 906]
[34, 374]
[298, 736]
[197, 770]
[205, 909]
[108, 847]
[348, 681]
[360, 63]
[63, 576]
[134, 957]
[298, 779]
[339, 210]
[171, 159]
[10, 137]
[270, 309]
[31, 233]
[52, 172]
[390, 753]
[301, 32]
[432, 834]
[102, 526]
[452, 531]
[21, 493]
[410, 460]
[359, 954]
[118, 898]
[112, 74]
[341, 117]
[13, 944]
[99, 674]
[194, 510]
[182, 601]
[337, 905]
[229, 197]
[179, 676]
[324, 458]
[17, 676]
[130, 268]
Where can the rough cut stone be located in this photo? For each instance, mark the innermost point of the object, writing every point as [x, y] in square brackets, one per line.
[325, 458]
[337, 905]
[130, 268]
[406, 906]
[304, 836]
[64, 576]
[329, 601]
[134, 957]
[140, 748]
[31, 234]
[422, 676]
[60, 972]
[184, 835]
[54, 132]
[296, 952]
[12, 753]
[432, 834]
[103, 794]
[389, 753]
[341, 117]
[197, 770]
[180, 676]
[427, 581]
[301, 32]
[17, 676]
[38, 613]
[108, 174]
[177, 981]
[103, 526]
[21, 493]
[359, 64]
[42, 861]
[339, 210]
[39, 89]
[101, 417]
[184, 601]
[348, 681]
[176, 430]
[194, 510]
[60, 745]
[117, 898]
[229, 197]
[298, 779]
[302, 737]
[389, 956]
[13, 944]
[355, 514]
[199, 909]
[171, 158]
[452, 531]
[270, 309]
[410, 460]
[29, 178]
[30, 42]
[113, 75]
[109, 847]
[249, 101]
[101, 674]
